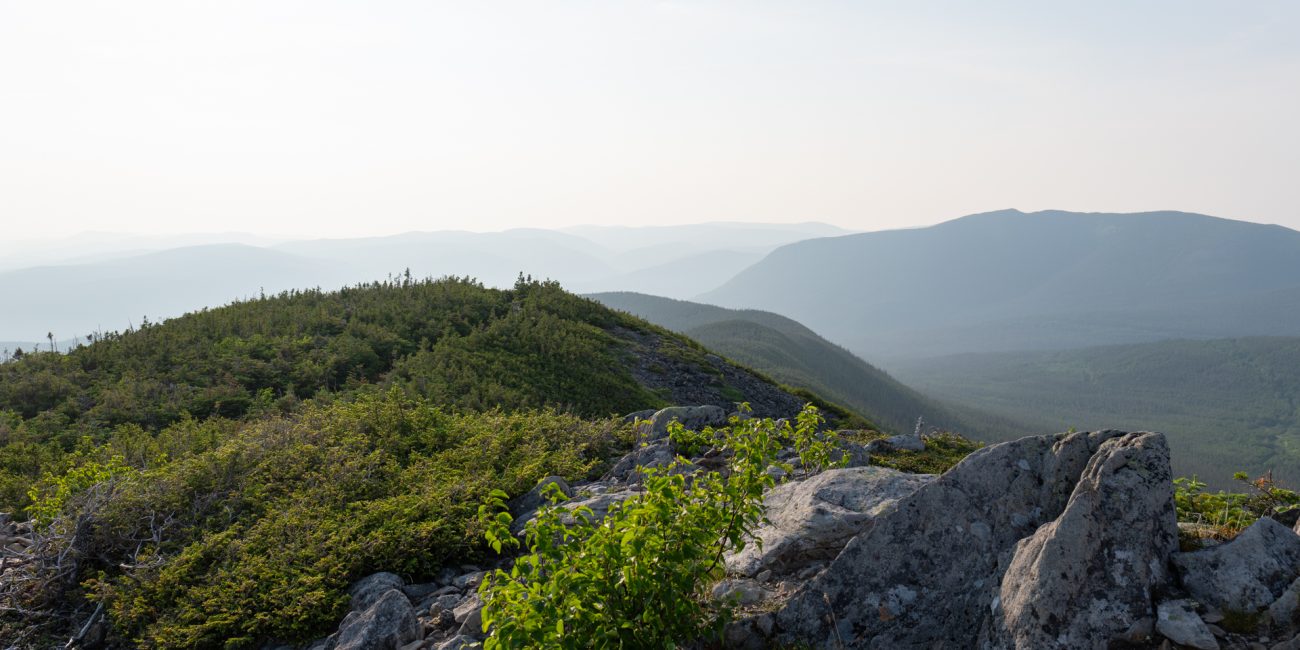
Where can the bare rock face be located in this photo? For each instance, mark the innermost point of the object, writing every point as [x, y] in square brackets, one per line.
[1246, 575]
[1087, 579]
[925, 572]
[812, 520]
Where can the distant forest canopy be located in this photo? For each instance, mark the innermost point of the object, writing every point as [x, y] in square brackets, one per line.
[1228, 405]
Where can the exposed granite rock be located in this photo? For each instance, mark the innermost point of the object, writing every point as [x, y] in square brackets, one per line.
[1086, 579]
[925, 572]
[1177, 621]
[694, 418]
[812, 520]
[371, 588]
[386, 624]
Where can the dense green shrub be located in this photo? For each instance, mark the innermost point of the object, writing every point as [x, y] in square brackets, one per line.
[640, 577]
[215, 362]
[452, 341]
[257, 536]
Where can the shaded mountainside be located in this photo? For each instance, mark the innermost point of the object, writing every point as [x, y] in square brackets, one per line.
[797, 356]
[1008, 280]
[1228, 405]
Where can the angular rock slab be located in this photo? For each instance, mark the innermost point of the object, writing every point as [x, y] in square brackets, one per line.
[371, 588]
[924, 572]
[1178, 622]
[1088, 578]
[1247, 574]
[693, 418]
[386, 624]
[812, 520]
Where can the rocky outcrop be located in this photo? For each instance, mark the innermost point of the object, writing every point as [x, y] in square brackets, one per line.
[811, 520]
[1087, 579]
[687, 375]
[1064, 541]
[1248, 575]
[926, 572]
[388, 615]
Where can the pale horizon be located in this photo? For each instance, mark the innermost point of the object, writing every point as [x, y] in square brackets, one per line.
[338, 120]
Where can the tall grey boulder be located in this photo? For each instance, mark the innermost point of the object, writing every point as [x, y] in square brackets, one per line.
[928, 571]
[925, 572]
[1089, 577]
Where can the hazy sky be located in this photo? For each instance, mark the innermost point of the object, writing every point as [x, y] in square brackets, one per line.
[348, 118]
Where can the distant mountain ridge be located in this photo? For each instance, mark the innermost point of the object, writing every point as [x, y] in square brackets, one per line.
[1011, 280]
[108, 289]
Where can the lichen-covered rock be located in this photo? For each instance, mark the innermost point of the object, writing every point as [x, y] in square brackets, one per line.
[1247, 574]
[1178, 622]
[387, 624]
[739, 591]
[812, 520]
[458, 643]
[1087, 578]
[369, 589]
[653, 454]
[469, 614]
[925, 572]
[1285, 610]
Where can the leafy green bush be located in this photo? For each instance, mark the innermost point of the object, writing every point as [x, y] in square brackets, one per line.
[1222, 515]
[639, 577]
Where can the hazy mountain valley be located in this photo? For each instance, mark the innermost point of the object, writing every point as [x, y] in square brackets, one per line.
[649, 325]
[308, 467]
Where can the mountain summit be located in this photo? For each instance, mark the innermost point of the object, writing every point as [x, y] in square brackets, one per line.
[1010, 280]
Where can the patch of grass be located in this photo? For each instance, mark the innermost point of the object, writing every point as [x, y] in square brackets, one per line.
[942, 452]
[731, 393]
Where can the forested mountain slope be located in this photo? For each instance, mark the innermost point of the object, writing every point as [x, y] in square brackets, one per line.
[217, 480]
[1008, 280]
[1227, 405]
[795, 355]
